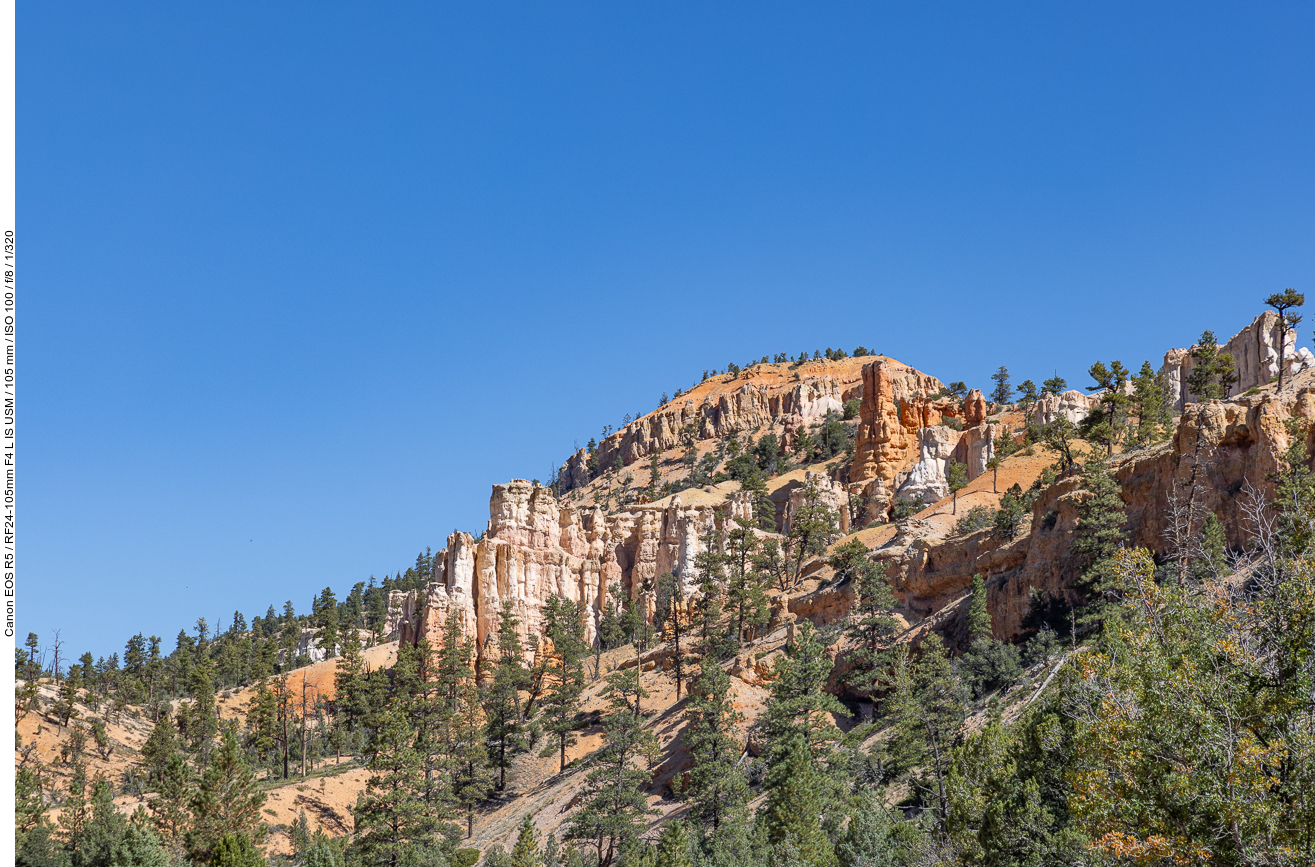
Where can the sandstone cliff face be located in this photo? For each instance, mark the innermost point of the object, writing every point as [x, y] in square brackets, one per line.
[535, 548]
[926, 481]
[1228, 444]
[753, 403]
[895, 408]
[1255, 352]
[827, 491]
[1072, 405]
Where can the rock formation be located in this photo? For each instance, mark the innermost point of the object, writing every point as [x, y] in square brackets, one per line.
[1072, 405]
[926, 481]
[896, 406]
[535, 548]
[756, 399]
[1232, 445]
[1255, 352]
[827, 491]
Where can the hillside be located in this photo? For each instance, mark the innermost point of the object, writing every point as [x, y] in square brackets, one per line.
[915, 577]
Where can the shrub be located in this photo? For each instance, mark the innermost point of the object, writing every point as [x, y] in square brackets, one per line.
[976, 518]
[851, 408]
[906, 509]
[989, 665]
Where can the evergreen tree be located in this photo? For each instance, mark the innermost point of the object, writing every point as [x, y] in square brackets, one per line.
[160, 747]
[562, 661]
[673, 846]
[614, 808]
[717, 789]
[505, 727]
[710, 570]
[1054, 385]
[1282, 302]
[928, 707]
[76, 811]
[869, 838]
[104, 830]
[1150, 405]
[393, 822]
[1099, 532]
[1003, 391]
[325, 617]
[872, 624]
[1213, 372]
[228, 802]
[171, 811]
[526, 851]
[1027, 396]
[1059, 436]
[795, 806]
[989, 663]
[813, 526]
[956, 477]
[800, 705]
[745, 598]
[671, 619]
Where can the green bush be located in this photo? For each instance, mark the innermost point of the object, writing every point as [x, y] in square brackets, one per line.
[977, 518]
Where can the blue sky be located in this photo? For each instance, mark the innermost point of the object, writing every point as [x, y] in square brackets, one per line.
[299, 282]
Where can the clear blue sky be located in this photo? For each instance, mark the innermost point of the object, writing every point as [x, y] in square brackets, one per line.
[299, 282]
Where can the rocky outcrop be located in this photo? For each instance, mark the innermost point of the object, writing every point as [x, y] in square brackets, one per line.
[896, 406]
[926, 481]
[1225, 446]
[822, 489]
[974, 408]
[1255, 351]
[750, 402]
[976, 447]
[535, 548]
[1072, 405]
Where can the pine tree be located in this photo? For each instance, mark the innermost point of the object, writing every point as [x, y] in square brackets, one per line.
[325, 616]
[1003, 391]
[104, 829]
[673, 846]
[988, 663]
[1150, 405]
[76, 813]
[744, 588]
[615, 807]
[564, 670]
[392, 819]
[227, 802]
[868, 840]
[171, 811]
[505, 727]
[873, 623]
[928, 707]
[1282, 302]
[1099, 532]
[813, 526]
[671, 618]
[1214, 372]
[956, 477]
[717, 789]
[347, 683]
[160, 747]
[795, 806]
[526, 851]
[710, 570]
[800, 705]
[1107, 425]
[1027, 396]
